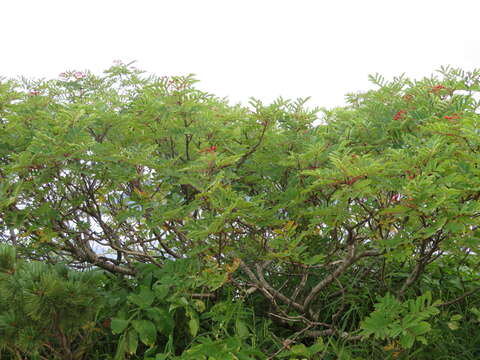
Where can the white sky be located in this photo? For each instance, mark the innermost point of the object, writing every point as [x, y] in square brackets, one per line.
[239, 49]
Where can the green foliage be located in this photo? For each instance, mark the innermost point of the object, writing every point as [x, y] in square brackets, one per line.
[405, 321]
[252, 232]
[46, 311]
[166, 313]
[304, 352]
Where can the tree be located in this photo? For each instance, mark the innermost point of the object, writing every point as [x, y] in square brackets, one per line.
[297, 217]
[46, 312]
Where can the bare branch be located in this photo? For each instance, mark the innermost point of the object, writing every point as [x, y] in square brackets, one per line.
[266, 288]
[346, 263]
[460, 298]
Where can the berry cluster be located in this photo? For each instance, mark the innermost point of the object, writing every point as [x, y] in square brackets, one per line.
[212, 148]
[437, 88]
[454, 116]
[399, 114]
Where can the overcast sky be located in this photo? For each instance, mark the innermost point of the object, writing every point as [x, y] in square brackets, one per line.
[242, 49]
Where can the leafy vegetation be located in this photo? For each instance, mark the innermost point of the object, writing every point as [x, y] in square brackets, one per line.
[142, 218]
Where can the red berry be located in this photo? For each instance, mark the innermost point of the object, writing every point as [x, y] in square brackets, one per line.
[399, 114]
[437, 88]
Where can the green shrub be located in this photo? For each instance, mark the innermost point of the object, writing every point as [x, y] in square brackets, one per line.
[356, 228]
[46, 312]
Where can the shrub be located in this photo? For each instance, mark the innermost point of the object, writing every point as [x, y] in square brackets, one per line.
[313, 225]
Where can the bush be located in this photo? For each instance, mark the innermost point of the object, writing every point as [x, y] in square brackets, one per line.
[46, 312]
[346, 233]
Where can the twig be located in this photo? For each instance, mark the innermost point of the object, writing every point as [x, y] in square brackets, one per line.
[460, 298]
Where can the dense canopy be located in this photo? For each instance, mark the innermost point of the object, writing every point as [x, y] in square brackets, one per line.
[232, 232]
